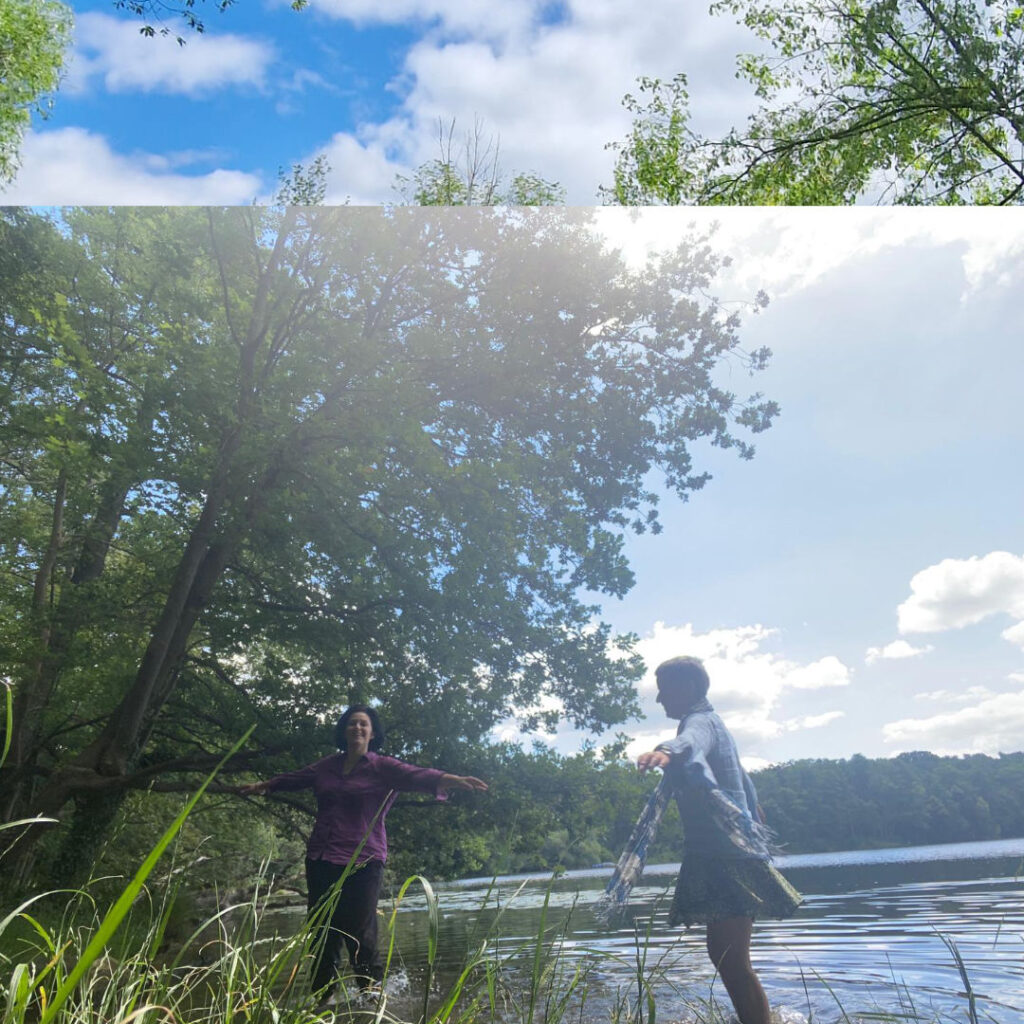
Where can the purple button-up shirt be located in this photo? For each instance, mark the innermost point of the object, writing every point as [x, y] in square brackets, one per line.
[346, 805]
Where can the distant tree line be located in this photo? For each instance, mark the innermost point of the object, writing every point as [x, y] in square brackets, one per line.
[913, 799]
[547, 812]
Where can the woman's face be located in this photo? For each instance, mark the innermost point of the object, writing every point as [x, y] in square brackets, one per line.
[358, 730]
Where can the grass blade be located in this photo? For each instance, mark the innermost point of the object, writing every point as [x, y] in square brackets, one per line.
[112, 919]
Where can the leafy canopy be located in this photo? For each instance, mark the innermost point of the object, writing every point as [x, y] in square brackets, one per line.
[469, 173]
[189, 11]
[265, 462]
[902, 101]
[34, 35]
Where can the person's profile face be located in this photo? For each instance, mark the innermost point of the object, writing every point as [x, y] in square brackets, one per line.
[676, 697]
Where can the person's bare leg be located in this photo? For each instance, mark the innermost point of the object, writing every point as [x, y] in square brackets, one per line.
[729, 948]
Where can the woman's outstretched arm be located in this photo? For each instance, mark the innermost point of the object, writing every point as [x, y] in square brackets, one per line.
[470, 782]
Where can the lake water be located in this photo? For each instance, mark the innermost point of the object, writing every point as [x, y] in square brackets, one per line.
[869, 942]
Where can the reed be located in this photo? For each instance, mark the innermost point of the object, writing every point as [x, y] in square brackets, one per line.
[62, 962]
[66, 960]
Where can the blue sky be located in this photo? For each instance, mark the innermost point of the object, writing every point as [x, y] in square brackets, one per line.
[365, 84]
[858, 587]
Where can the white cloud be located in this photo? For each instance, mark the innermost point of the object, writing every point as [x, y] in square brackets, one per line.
[995, 724]
[289, 89]
[72, 166]
[959, 592]
[972, 693]
[785, 252]
[1015, 634]
[550, 94]
[479, 17]
[113, 50]
[361, 170]
[813, 721]
[819, 674]
[747, 681]
[895, 650]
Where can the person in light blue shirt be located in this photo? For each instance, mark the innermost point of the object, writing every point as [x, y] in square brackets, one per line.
[726, 877]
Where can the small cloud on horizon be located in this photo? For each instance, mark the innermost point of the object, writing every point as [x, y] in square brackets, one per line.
[993, 725]
[895, 650]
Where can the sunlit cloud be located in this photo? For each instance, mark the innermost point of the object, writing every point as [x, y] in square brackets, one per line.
[972, 693]
[113, 51]
[994, 724]
[959, 592]
[1015, 634]
[72, 165]
[813, 721]
[896, 650]
[747, 677]
[547, 90]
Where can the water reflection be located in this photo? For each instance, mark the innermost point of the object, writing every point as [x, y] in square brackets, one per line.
[869, 936]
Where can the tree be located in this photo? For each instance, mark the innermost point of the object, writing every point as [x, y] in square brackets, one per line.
[34, 35]
[471, 175]
[472, 178]
[260, 463]
[304, 184]
[903, 101]
[187, 10]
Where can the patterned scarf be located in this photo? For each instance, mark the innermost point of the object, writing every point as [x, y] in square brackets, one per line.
[630, 865]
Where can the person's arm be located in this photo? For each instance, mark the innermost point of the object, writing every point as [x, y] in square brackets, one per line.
[410, 777]
[470, 782]
[695, 737]
[300, 779]
[253, 788]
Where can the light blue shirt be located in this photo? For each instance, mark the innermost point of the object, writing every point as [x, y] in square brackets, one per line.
[704, 758]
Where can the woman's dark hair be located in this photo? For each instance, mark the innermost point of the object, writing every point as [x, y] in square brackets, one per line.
[371, 713]
[683, 669]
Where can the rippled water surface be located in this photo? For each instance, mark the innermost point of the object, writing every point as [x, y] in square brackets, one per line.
[872, 937]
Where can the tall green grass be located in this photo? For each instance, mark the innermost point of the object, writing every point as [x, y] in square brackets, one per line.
[61, 962]
[65, 959]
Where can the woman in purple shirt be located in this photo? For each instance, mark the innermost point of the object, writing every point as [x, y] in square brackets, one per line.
[354, 791]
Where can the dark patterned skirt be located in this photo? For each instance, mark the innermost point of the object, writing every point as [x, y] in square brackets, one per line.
[711, 888]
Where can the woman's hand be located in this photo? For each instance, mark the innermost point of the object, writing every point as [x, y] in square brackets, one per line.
[652, 759]
[470, 782]
[252, 789]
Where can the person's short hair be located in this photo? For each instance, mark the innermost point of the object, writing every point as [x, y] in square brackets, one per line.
[371, 713]
[683, 669]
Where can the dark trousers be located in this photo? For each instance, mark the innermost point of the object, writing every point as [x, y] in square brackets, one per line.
[353, 921]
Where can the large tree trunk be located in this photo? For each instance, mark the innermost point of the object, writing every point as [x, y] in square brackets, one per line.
[57, 633]
[97, 778]
[33, 694]
[101, 771]
[117, 745]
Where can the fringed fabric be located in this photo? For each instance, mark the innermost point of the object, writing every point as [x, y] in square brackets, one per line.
[631, 863]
